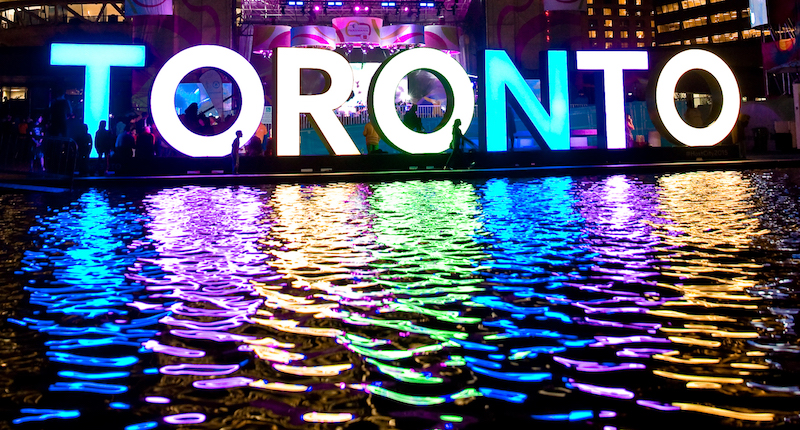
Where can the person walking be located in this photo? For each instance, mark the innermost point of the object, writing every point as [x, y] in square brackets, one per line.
[235, 153]
[372, 137]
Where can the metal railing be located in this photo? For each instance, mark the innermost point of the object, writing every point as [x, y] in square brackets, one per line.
[361, 116]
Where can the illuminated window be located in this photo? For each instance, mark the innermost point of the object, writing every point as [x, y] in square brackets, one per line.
[606, 11]
[623, 2]
[608, 23]
[638, 2]
[623, 34]
[749, 34]
[671, 43]
[14, 93]
[701, 40]
[623, 12]
[724, 16]
[696, 22]
[589, 1]
[640, 44]
[592, 34]
[669, 27]
[591, 11]
[687, 42]
[609, 34]
[639, 34]
[638, 13]
[725, 37]
[609, 45]
[688, 4]
[667, 8]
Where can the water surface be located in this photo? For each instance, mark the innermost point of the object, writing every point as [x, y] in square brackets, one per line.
[588, 302]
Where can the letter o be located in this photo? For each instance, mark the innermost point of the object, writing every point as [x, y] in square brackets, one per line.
[667, 83]
[162, 100]
[383, 112]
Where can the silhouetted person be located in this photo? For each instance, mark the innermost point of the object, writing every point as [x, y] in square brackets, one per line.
[104, 143]
[412, 120]
[235, 153]
[60, 112]
[36, 130]
[629, 127]
[126, 142]
[457, 144]
[84, 141]
[145, 144]
[253, 148]
[511, 127]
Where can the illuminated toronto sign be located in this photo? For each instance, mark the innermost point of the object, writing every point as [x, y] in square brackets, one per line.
[501, 86]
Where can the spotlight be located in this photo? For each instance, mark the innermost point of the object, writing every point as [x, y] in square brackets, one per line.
[358, 8]
[366, 8]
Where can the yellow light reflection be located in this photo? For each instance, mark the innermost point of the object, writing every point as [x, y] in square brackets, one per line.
[319, 417]
[279, 386]
[746, 416]
[697, 378]
[329, 370]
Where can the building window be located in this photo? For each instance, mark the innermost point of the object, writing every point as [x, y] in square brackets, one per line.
[609, 34]
[724, 16]
[666, 28]
[608, 23]
[623, 2]
[592, 34]
[623, 12]
[623, 34]
[701, 40]
[590, 11]
[640, 44]
[696, 22]
[606, 11]
[688, 4]
[623, 45]
[609, 45]
[639, 34]
[749, 34]
[667, 8]
[725, 37]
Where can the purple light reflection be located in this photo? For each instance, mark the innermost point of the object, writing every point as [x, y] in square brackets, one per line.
[216, 336]
[614, 340]
[619, 393]
[641, 352]
[190, 418]
[154, 346]
[222, 383]
[590, 366]
[199, 369]
[656, 405]
[157, 399]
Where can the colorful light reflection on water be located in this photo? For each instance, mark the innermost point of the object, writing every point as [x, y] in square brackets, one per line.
[607, 302]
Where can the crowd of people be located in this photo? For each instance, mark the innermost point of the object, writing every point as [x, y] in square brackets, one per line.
[118, 141]
[122, 139]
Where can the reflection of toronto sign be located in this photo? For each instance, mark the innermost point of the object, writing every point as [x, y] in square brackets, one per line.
[501, 84]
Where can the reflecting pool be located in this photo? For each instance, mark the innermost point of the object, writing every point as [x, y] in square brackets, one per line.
[613, 302]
